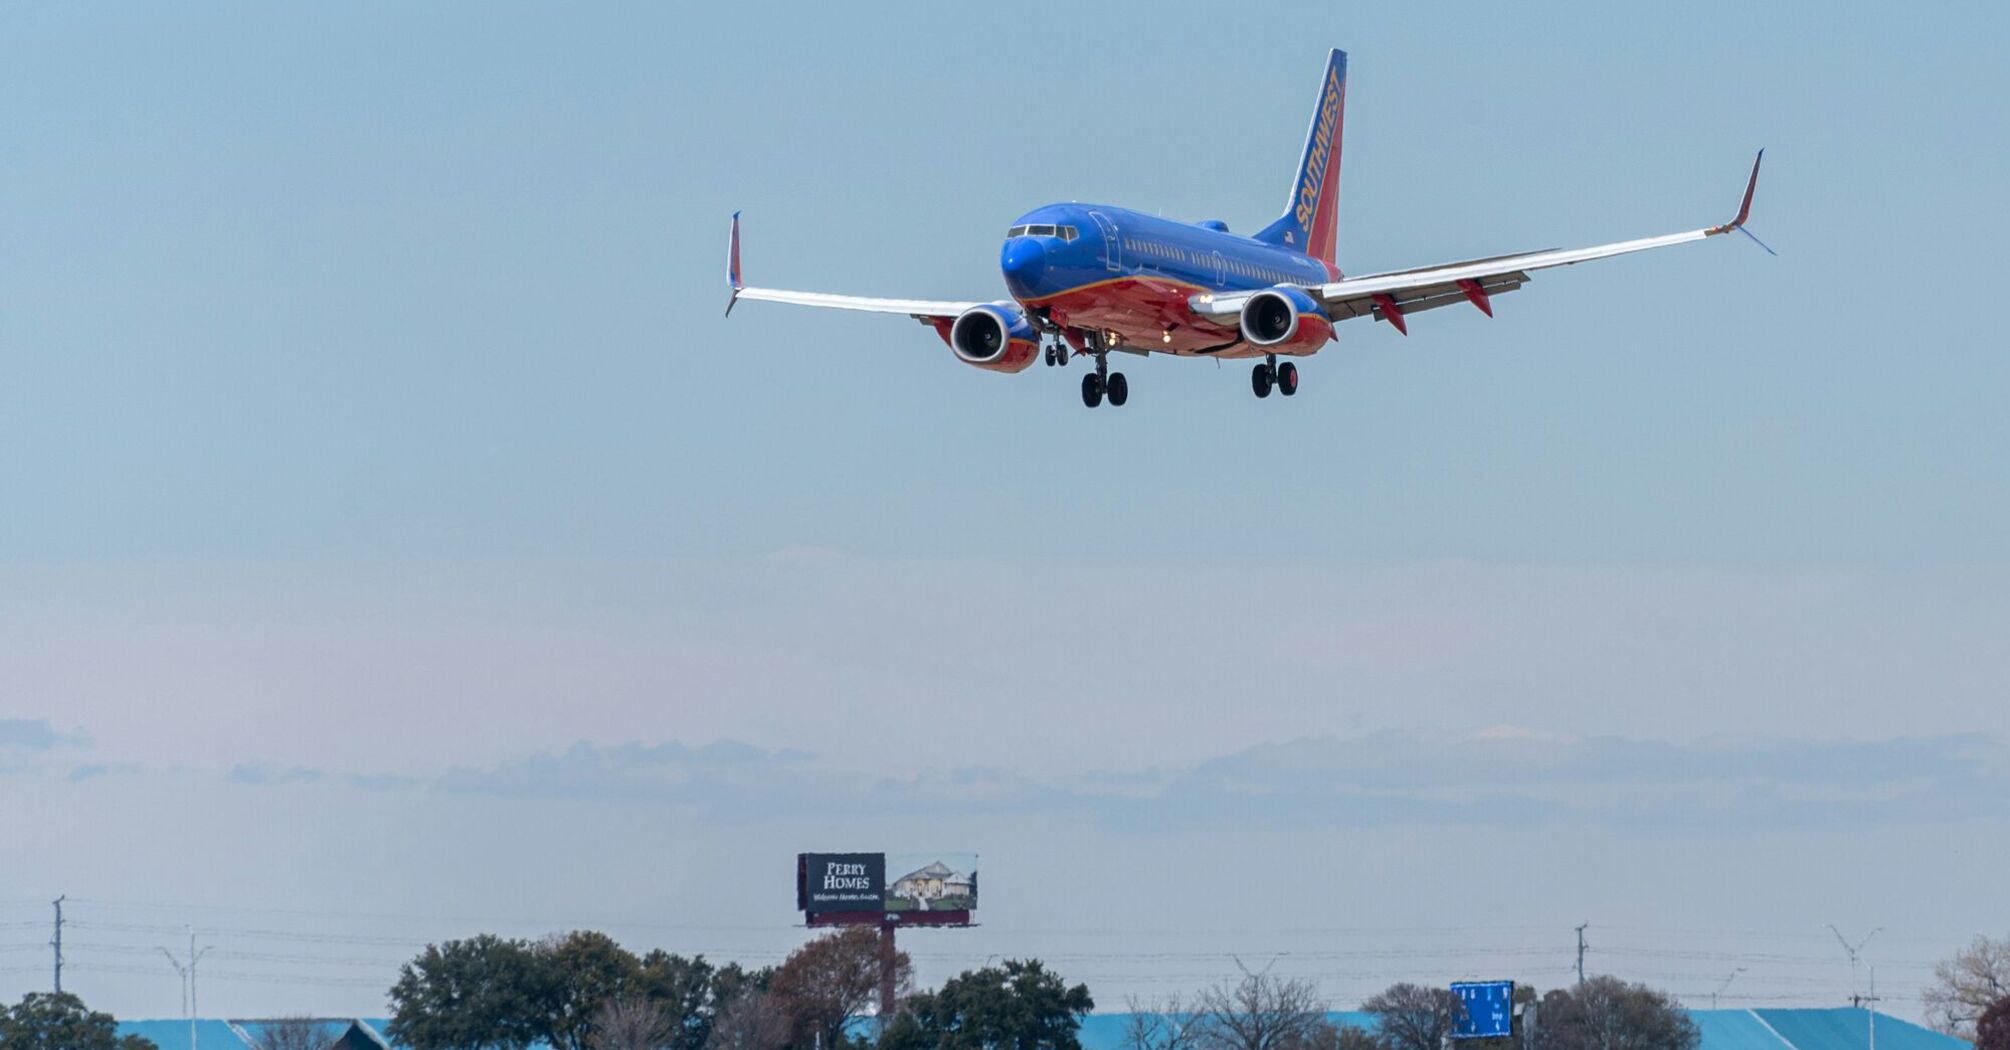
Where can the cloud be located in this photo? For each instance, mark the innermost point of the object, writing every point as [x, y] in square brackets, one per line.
[94, 770]
[23, 740]
[261, 774]
[1523, 778]
[731, 780]
[35, 734]
[1497, 776]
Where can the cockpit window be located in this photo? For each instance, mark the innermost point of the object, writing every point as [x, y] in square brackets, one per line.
[1066, 233]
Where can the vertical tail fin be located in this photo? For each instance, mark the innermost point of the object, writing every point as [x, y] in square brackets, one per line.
[1309, 223]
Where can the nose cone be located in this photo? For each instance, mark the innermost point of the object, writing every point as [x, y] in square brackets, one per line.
[1024, 261]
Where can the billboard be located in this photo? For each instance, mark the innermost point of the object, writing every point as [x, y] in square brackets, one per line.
[1489, 1009]
[915, 888]
[841, 882]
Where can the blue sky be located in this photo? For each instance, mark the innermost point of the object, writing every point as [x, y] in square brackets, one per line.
[379, 468]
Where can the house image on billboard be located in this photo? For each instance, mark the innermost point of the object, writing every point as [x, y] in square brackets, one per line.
[936, 886]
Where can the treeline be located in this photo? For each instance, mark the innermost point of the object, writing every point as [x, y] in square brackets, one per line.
[61, 1021]
[1264, 1012]
[582, 991]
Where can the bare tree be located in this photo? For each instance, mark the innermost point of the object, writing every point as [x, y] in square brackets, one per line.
[1606, 1013]
[1162, 1024]
[291, 1033]
[1413, 1017]
[832, 979]
[751, 1020]
[632, 1022]
[1967, 984]
[1261, 1012]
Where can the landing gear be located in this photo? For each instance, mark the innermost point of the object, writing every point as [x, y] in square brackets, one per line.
[1104, 383]
[1050, 357]
[1268, 374]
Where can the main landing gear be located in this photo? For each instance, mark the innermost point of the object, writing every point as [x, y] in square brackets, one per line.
[1057, 353]
[1268, 374]
[1104, 383]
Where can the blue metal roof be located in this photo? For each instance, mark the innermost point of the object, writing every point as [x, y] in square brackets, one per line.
[1848, 1028]
[1841, 1028]
[224, 1035]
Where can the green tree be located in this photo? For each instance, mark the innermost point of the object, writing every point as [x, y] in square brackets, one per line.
[580, 974]
[61, 1021]
[1019, 1006]
[1606, 1013]
[485, 993]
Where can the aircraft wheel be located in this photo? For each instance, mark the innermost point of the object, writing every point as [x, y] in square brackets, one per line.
[1287, 379]
[1060, 353]
[1092, 390]
[1260, 379]
[1120, 389]
[1050, 357]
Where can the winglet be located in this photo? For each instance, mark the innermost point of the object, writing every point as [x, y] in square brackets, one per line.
[1745, 206]
[733, 265]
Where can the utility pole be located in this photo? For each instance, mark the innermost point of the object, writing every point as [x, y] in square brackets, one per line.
[57, 943]
[188, 981]
[888, 960]
[1854, 951]
[1580, 952]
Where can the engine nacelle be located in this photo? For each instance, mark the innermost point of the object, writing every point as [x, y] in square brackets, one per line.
[1285, 319]
[995, 336]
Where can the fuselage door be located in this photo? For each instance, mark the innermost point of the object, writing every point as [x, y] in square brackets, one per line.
[1220, 271]
[1113, 245]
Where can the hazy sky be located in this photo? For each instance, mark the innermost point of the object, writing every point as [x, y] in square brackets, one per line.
[398, 544]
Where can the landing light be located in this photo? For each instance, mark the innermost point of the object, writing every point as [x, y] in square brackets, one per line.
[1167, 337]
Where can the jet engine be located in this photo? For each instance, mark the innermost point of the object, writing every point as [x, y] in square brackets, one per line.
[994, 336]
[1285, 319]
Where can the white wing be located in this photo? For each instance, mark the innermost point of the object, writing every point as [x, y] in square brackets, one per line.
[924, 309]
[1389, 296]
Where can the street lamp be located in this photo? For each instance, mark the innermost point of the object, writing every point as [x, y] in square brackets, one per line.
[1726, 984]
[1854, 952]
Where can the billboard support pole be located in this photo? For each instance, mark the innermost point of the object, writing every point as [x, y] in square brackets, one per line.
[888, 958]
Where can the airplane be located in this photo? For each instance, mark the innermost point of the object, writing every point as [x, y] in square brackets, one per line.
[1096, 279]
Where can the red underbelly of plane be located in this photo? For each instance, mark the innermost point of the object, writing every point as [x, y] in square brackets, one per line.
[1150, 313]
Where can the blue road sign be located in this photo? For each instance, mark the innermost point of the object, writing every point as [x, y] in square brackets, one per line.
[1489, 1009]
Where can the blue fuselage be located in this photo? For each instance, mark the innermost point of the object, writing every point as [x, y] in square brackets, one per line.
[1111, 242]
